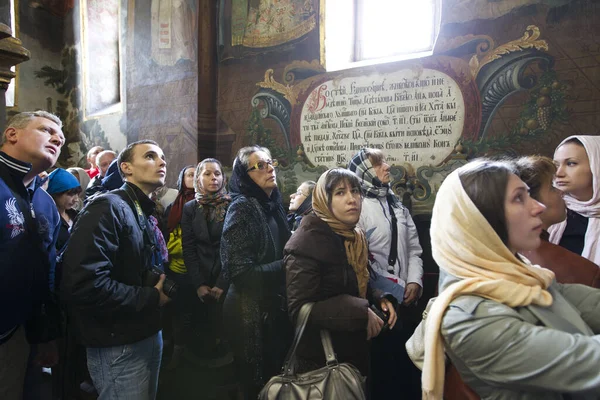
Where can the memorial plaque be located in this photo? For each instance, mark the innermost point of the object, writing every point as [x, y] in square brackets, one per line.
[413, 116]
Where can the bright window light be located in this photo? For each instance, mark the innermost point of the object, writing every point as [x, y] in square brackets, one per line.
[365, 32]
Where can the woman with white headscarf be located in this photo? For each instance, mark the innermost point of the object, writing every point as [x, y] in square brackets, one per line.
[578, 167]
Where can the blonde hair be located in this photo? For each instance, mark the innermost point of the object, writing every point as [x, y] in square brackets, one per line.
[21, 120]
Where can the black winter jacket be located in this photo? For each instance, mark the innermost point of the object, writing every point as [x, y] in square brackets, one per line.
[201, 247]
[105, 266]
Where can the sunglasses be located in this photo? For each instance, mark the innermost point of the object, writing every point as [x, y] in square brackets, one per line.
[262, 165]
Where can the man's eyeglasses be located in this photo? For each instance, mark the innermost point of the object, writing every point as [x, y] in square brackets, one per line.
[262, 165]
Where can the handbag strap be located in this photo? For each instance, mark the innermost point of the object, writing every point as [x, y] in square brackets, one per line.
[289, 365]
[393, 256]
[328, 347]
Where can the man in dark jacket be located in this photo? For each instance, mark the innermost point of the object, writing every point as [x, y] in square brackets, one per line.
[107, 280]
[29, 224]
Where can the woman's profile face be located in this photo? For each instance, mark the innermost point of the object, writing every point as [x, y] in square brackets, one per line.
[383, 172]
[346, 203]
[296, 199]
[573, 173]
[522, 214]
[66, 201]
[552, 198]
[188, 178]
[211, 177]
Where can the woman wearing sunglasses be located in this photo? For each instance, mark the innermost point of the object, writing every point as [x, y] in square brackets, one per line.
[254, 234]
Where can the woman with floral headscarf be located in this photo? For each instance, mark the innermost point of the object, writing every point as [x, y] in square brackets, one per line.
[326, 263]
[395, 256]
[202, 225]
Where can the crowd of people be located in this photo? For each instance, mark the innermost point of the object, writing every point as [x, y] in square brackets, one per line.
[95, 260]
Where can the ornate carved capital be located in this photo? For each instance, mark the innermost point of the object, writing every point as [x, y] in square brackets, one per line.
[12, 53]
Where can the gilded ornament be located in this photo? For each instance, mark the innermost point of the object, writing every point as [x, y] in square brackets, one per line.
[527, 41]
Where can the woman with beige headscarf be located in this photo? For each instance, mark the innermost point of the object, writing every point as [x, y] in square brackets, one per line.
[326, 263]
[84, 180]
[511, 331]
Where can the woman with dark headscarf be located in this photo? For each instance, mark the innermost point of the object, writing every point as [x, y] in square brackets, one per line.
[177, 270]
[254, 235]
[202, 225]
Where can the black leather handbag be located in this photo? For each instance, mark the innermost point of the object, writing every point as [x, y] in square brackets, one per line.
[334, 381]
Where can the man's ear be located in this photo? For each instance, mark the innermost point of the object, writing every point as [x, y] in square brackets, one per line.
[126, 168]
[11, 135]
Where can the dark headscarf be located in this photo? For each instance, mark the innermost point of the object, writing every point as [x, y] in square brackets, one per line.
[185, 194]
[242, 185]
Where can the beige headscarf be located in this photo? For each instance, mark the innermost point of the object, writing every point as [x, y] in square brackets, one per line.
[466, 246]
[356, 242]
[84, 180]
[590, 208]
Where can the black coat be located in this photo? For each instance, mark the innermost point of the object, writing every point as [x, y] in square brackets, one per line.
[201, 244]
[254, 308]
[104, 269]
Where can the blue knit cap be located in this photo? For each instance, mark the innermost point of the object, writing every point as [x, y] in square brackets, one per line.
[60, 181]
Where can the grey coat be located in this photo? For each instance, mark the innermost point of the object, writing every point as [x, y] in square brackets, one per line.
[528, 352]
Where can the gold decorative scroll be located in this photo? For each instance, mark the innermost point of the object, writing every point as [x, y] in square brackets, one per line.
[286, 90]
[527, 41]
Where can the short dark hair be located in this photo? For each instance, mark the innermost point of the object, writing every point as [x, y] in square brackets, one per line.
[485, 183]
[535, 171]
[73, 191]
[127, 154]
[335, 177]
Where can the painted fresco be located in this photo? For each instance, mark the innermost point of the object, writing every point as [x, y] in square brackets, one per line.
[173, 31]
[250, 27]
[162, 78]
[528, 77]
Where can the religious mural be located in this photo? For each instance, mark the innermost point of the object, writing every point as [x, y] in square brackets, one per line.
[173, 30]
[513, 85]
[249, 27]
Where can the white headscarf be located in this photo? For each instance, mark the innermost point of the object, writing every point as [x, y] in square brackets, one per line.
[466, 246]
[590, 208]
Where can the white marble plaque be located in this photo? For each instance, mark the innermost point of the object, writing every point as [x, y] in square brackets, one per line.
[414, 118]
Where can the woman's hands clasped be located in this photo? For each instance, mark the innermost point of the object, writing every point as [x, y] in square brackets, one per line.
[206, 293]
